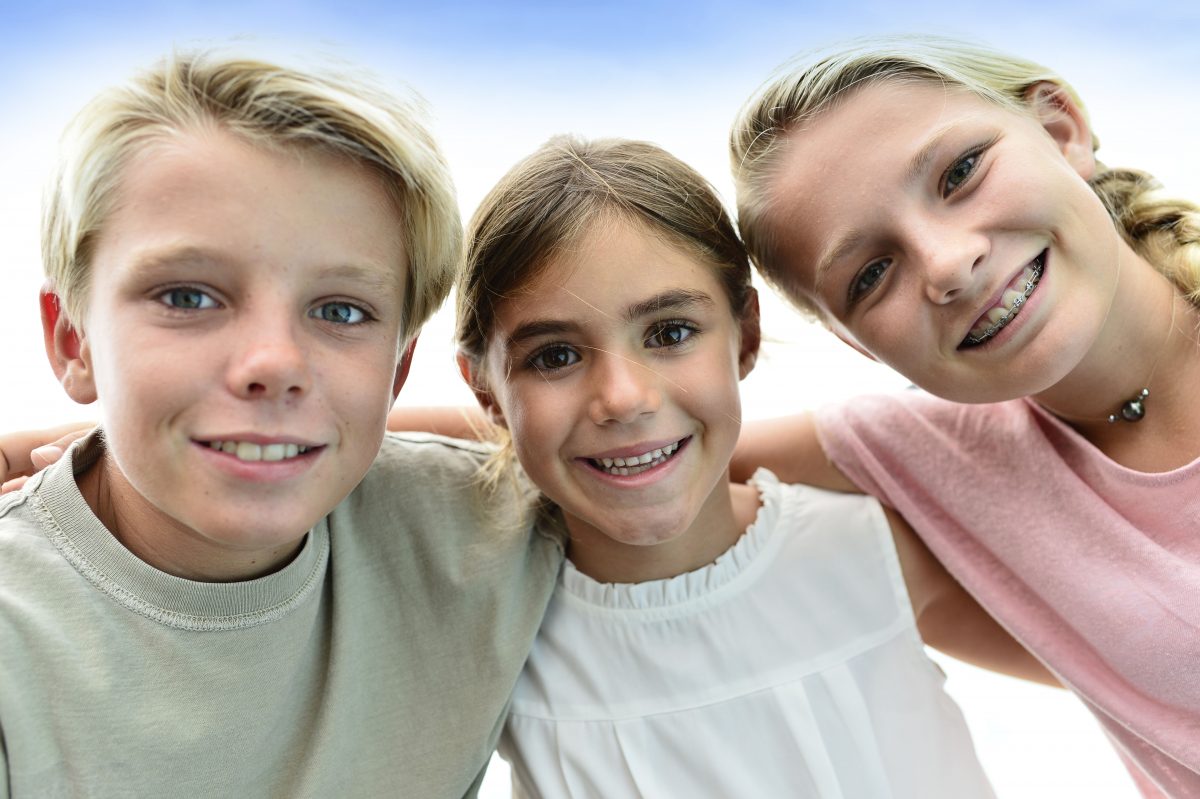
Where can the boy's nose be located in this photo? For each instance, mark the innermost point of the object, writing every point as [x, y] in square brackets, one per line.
[270, 365]
[623, 390]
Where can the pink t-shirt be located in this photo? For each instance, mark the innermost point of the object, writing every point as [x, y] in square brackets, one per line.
[1094, 567]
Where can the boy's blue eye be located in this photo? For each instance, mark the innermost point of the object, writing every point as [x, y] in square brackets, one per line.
[556, 356]
[187, 299]
[339, 313]
[866, 280]
[669, 334]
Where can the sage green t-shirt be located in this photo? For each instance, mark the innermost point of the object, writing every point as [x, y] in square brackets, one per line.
[379, 662]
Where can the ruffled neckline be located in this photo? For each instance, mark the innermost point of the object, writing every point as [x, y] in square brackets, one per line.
[730, 567]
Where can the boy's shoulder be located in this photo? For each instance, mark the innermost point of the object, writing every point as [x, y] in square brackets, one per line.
[25, 516]
[426, 482]
[438, 452]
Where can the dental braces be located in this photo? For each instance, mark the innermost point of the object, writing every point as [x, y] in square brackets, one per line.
[1008, 316]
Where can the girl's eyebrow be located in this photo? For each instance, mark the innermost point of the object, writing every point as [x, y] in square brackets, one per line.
[845, 245]
[538, 328]
[671, 300]
[674, 299]
[920, 162]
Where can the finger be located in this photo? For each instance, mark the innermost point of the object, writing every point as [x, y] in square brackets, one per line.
[45, 455]
[12, 485]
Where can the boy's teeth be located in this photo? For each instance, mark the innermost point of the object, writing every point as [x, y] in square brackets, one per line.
[248, 451]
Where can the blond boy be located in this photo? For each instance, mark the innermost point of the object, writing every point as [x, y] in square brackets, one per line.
[203, 599]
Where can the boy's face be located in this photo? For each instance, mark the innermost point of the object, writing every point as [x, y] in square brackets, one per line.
[243, 334]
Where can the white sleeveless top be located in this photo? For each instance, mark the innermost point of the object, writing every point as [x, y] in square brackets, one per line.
[790, 667]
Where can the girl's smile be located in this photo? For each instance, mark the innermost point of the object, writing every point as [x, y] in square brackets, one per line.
[1003, 309]
[951, 238]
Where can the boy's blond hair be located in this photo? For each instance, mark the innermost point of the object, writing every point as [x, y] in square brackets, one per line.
[269, 106]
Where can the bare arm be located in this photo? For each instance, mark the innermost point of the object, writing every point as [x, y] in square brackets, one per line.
[949, 619]
[28, 451]
[788, 446]
[470, 423]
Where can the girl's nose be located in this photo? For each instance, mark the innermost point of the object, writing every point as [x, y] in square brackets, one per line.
[623, 390]
[949, 261]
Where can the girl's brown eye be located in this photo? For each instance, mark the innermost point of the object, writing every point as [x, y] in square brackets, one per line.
[669, 334]
[556, 356]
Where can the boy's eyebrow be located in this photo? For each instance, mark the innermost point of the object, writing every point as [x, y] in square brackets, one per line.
[386, 280]
[173, 257]
[381, 280]
[672, 300]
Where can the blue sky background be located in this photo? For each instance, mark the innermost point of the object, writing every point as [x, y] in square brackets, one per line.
[500, 78]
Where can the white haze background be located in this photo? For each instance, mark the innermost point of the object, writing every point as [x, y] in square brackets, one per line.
[501, 78]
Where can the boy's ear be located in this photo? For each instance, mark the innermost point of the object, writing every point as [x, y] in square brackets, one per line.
[403, 367]
[67, 350]
[1066, 123]
[467, 368]
[751, 336]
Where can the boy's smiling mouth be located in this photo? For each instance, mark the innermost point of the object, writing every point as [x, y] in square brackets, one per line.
[251, 451]
[997, 317]
[637, 463]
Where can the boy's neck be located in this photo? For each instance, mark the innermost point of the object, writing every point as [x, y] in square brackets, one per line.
[164, 543]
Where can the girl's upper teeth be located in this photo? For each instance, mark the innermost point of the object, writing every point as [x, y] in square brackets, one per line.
[639, 460]
[1010, 303]
[248, 451]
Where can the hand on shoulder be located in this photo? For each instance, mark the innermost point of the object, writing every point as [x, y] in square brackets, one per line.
[26, 452]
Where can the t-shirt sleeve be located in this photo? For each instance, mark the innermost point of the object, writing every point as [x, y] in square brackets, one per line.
[909, 447]
[858, 437]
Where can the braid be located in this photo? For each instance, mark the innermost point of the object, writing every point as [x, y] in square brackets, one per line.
[1162, 229]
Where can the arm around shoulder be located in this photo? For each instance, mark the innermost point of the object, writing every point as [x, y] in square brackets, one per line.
[950, 620]
[790, 448]
[467, 423]
[28, 451]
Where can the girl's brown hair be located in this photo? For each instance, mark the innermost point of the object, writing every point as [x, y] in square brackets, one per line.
[549, 201]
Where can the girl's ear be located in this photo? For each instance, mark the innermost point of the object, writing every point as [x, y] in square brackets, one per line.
[469, 370]
[1066, 123]
[67, 350]
[751, 336]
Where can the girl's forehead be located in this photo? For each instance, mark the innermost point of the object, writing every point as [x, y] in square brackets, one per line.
[616, 265]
